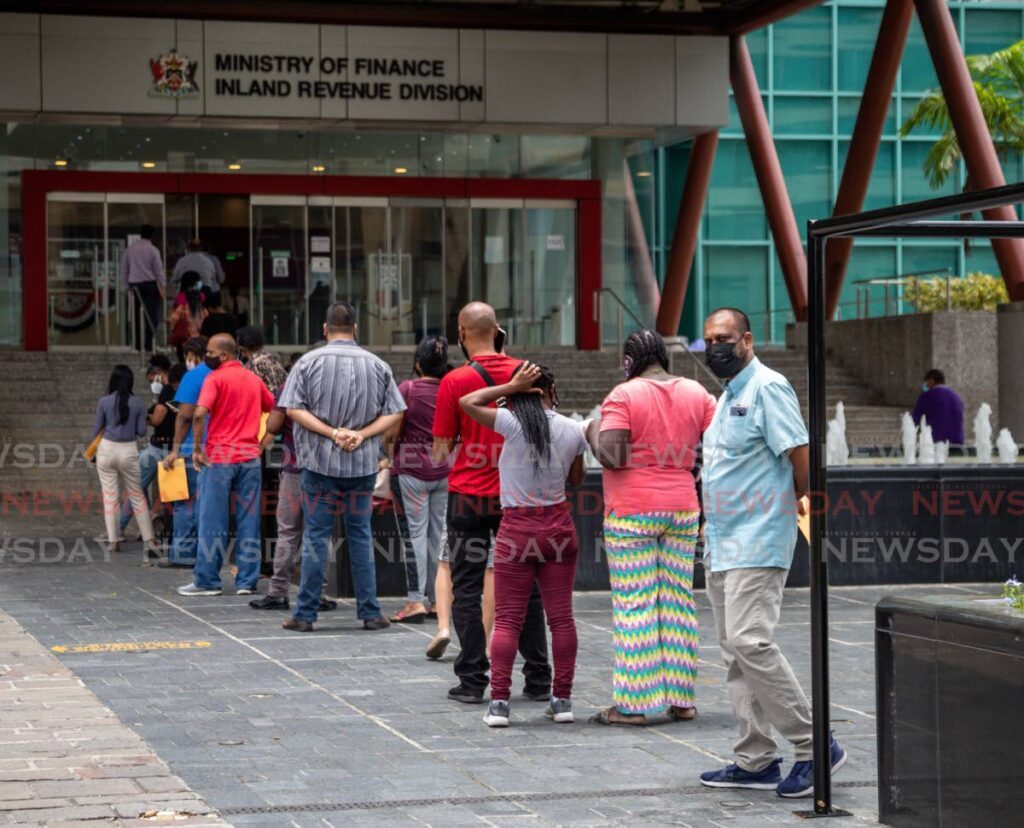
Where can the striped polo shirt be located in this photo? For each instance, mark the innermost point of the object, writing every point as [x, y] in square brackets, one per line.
[345, 386]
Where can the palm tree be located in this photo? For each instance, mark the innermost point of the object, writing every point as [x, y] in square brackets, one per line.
[999, 84]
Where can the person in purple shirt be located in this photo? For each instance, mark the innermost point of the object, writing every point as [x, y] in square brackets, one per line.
[420, 489]
[942, 409]
[142, 273]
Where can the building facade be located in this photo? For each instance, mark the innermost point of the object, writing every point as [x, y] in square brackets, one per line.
[406, 170]
[409, 170]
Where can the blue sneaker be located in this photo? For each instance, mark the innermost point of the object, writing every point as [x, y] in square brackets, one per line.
[800, 781]
[733, 776]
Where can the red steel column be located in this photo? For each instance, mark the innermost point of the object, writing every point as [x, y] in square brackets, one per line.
[769, 176]
[971, 132]
[684, 238]
[867, 135]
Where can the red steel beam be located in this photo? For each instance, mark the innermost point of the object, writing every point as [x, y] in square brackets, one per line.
[777, 205]
[866, 138]
[771, 11]
[684, 239]
[971, 132]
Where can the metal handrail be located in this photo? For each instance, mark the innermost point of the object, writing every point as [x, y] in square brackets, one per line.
[622, 307]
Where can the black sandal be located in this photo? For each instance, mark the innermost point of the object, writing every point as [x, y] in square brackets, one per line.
[675, 715]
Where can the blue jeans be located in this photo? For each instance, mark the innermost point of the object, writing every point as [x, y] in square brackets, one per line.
[217, 484]
[149, 459]
[183, 538]
[323, 498]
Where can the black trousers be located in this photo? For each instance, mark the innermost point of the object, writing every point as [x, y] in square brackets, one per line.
[147, 313]
[471, 523]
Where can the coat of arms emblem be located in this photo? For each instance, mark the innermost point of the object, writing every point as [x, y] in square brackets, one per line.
[174, 76]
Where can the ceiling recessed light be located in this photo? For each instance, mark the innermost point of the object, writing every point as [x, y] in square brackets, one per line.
[643, 174]
[60, 162]
[319, 168]
[148, 165]
[400, 171]
[234, 166]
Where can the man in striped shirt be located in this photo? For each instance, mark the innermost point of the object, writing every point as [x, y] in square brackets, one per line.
[341, 399]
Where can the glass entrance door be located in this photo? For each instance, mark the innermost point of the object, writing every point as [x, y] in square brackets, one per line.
[523, 263]
[279, 268]
[549, 285]
[87, 235]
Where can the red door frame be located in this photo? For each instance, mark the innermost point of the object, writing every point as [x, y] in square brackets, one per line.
[35, 184]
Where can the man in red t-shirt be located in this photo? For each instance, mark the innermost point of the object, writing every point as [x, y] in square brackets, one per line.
[474, 510]
[235, 400]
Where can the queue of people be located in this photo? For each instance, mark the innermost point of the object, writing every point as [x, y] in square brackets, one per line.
[480, 462]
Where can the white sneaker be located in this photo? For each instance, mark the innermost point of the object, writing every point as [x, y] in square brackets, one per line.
[497, 714]
[192, 589]
[560, 711]
[244, 591]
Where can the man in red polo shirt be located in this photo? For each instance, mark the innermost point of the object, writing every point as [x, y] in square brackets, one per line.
[235, 400]
[474, 510]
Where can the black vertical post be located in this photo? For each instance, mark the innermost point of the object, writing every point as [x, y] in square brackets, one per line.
[819, 509]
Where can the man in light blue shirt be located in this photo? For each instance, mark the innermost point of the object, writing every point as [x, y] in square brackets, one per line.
[755, 471]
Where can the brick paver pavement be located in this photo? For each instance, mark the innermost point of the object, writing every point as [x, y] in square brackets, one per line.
[65, 757]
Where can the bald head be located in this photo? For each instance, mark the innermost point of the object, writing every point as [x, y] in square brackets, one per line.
[478, 316]
[222, 344]
[478, 325]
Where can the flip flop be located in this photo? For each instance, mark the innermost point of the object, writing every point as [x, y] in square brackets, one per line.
[603, 717]
[675, 715]
[411, 618]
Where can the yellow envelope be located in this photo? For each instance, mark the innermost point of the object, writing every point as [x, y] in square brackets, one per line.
[174, 483]
[93, 447]
[263, 426]
[804, 521]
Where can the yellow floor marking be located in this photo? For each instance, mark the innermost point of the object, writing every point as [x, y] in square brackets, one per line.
[131, 646]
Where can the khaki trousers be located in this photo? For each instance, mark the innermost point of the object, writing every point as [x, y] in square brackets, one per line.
[118, 465]
[762, 687]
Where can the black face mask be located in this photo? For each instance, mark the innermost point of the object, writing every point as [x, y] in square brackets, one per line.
[212, 362]
[722, 359]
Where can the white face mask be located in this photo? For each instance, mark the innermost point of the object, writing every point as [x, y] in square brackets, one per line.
[156, 387]
[189, 365]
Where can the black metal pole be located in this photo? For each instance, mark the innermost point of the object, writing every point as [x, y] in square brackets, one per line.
[818, 502]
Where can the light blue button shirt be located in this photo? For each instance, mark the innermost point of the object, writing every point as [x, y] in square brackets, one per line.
[747, 479]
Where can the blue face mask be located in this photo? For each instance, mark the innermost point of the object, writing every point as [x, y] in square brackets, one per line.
[925, 387]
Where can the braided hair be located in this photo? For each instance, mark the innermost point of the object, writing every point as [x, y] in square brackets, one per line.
[529, 411]
[642, 350]
[432, 356]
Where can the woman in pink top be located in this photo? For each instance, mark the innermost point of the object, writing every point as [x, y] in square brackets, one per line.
[649, 431]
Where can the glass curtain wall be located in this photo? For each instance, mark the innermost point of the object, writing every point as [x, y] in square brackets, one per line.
[811, 69]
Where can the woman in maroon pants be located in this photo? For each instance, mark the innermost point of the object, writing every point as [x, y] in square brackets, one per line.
[537, 539]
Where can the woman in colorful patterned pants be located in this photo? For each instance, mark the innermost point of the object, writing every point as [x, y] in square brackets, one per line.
[646, 441]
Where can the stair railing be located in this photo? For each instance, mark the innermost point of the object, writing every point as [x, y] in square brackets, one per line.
[674, 345]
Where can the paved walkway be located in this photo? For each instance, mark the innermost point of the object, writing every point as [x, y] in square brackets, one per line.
[66, 759]
[343, 726]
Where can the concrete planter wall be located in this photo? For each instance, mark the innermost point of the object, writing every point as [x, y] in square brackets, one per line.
[891, 354]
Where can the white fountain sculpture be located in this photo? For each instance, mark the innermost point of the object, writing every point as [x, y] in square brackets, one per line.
[1006, 447]
[983, 434]
[909, 439]
[926, 445]
[837, 451]
[941, 452]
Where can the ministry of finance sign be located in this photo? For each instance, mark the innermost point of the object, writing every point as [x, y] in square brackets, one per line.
[373, 79]
[571, 81]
